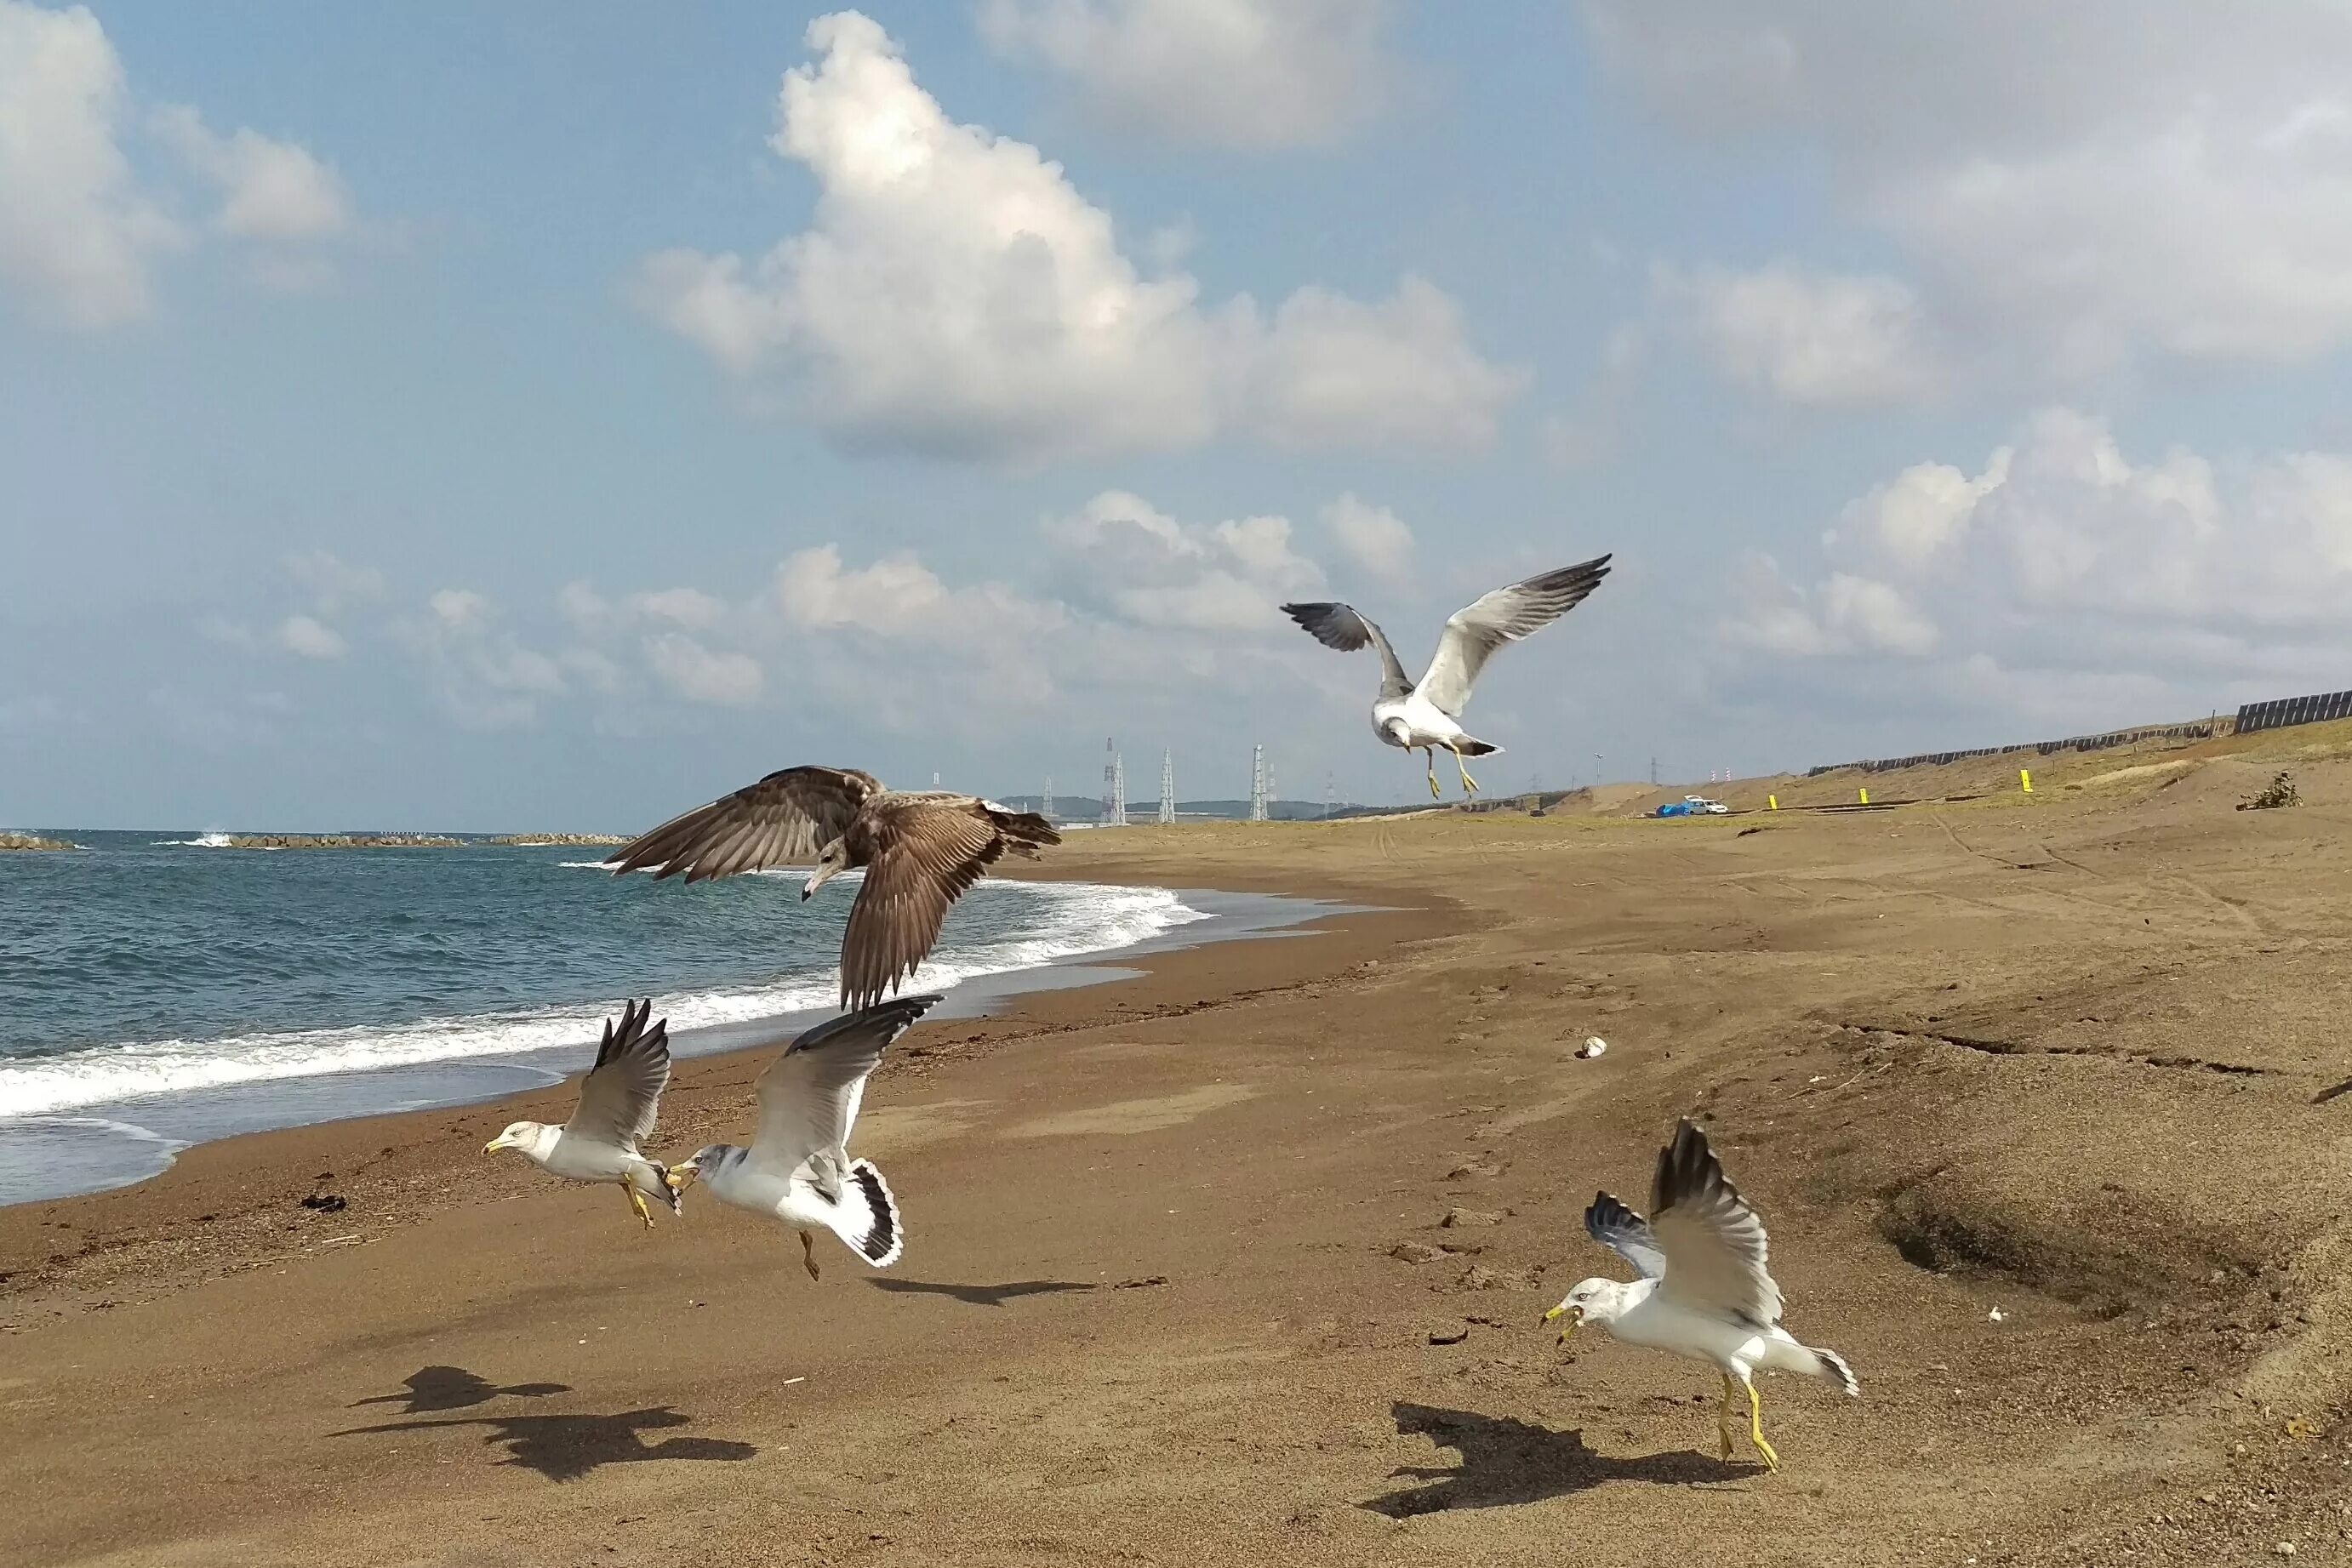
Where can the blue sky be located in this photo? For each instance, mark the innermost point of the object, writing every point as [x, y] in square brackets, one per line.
[553, 416]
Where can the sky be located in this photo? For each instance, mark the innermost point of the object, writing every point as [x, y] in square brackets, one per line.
[551, 416]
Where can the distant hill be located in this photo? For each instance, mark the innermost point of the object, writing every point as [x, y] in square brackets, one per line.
[1088, 809]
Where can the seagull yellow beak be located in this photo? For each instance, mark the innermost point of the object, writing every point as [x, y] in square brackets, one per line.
[1574, 1315]
[495, 1144]
[681, 1176]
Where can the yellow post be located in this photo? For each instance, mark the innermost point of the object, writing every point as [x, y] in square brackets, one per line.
[1773, 802]
[2025, 780]
[1866, 797]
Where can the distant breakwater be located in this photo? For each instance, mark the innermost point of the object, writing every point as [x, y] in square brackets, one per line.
[395, 841]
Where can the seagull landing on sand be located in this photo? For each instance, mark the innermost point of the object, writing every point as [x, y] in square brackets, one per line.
[1425, 715]
[1704, 1292]
[618, 1100]
[798, 1168]
[921, 849]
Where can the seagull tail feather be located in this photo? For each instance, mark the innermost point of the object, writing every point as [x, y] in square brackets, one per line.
[1830, 1364]
[1468, 747]
[866, 1216]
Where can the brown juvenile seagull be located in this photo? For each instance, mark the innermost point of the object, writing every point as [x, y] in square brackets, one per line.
[921, 849]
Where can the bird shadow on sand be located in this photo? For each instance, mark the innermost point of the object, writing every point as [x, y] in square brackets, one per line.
[980, 1295]
[561, 1447]
[1505, 1462]
[431, 1388]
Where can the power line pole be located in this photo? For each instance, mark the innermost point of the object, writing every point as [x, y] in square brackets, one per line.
[1045, 805]
[1167, 788]
[1114, 785]
[1258, 784]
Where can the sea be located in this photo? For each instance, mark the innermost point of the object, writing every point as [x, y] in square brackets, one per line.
[160, 988]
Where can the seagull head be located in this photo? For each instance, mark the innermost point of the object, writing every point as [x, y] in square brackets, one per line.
[1399, 732]
[831, 861]
[523, 1135]
[682, 1174]
[1595, 1299]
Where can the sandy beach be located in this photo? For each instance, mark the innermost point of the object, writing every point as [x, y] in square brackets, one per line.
[2043, 1099]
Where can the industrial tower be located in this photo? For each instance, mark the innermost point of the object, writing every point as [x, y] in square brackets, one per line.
[1167, 788]
[1114, 786]
[1045, 805]
[1258, 784]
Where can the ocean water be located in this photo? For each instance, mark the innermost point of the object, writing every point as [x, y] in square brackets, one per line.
[156, 988]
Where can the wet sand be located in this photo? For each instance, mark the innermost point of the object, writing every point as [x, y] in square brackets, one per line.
[1180, 1285]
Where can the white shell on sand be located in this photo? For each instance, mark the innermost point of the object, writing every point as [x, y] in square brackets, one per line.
[1593, 1046]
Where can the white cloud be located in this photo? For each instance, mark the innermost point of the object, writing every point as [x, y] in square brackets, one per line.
[688, 607]
[310, 638]
[1923, 508]
[2064, 558]
[77, 232]
[1124, 558]
[700, 675]
[2074, 186]
[484, 675]
[955, 295]
[333, 582]
[1374, 536]
[1336, 371]
[1230, 73]
[1809, 338]
[460, 607]
[80, 229]
[270, 190]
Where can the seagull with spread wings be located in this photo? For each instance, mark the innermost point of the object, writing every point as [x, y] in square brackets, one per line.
[921, 850]
[618, 1102]
[1704, 1291]
[1425, 714]
[798, 1168]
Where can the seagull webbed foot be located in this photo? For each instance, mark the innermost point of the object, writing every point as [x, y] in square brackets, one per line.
[808, 1253]
[638, 1202]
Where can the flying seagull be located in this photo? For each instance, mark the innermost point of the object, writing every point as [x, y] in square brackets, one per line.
[798, 1168]
[1425, 714]
[1704, 1293]
[618, 1102]
[921, 849]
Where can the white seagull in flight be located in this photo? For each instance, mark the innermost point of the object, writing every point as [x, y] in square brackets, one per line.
[1425, 714]
[618, 1102]
[798, 1168]
[1704, 1291]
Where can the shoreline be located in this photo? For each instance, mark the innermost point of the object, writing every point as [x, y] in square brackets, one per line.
[109, 1145]
[219, 1204]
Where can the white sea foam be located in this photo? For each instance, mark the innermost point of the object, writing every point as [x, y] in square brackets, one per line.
[1087, 919]
[201, 841]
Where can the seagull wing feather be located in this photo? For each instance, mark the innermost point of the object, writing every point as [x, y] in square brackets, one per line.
[1625, 1233]
[927, 851]
[1506, 615]
[810, 1095]
[621, 1096]
[1715, 1250]
[783, 820]
[1343, 627]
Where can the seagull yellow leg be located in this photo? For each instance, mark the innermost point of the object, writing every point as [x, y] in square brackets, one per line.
[1430, 752]
[1756, 1430]
[808, 1253]
[1725, 1417]
[638, 1202]
[1469, 785]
